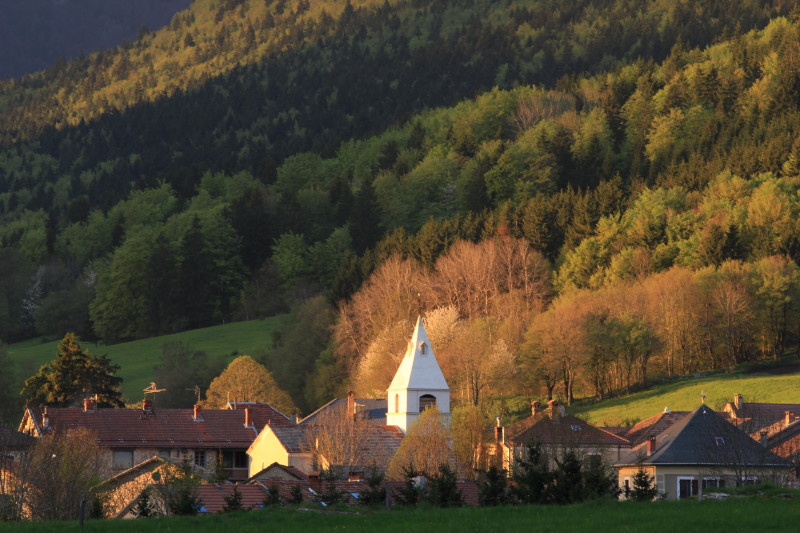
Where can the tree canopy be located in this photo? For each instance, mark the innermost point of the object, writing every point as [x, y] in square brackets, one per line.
[246, 380]
[73, 376]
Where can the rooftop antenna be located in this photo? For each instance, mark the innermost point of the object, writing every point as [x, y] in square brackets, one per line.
[196, 390]
[152, 389]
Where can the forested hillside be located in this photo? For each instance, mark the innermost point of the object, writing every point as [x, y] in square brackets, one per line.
[36, 33]
[606, 190]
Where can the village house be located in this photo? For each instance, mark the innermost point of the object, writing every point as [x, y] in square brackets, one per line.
[555, 433]
[699, 452]
[128, 437]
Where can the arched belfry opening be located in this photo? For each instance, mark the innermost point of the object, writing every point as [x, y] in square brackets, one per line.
[426, 401]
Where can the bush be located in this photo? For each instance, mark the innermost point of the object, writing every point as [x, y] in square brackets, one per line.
[442, 488]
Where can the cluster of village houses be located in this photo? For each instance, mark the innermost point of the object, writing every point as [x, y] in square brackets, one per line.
[686, 453]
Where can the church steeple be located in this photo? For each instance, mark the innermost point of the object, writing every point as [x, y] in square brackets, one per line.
[418, 383]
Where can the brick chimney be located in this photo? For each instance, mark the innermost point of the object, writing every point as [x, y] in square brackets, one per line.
[498, 430]
[351, 405]
[651, 445]
[247, 421]
[555, 410]
[45, 419]
[536, 407]
[89, 405]
[738, 401]
[147, 405]
[788, 417]
[198, 413]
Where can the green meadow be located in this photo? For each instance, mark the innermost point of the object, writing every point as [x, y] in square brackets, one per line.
[769, 384]
[137, 358]
[733, 515]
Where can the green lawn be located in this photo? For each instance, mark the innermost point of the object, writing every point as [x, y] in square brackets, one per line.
[739, 514]
[684, 395]
[137, 358]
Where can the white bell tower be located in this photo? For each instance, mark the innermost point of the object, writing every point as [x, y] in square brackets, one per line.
[418, 383]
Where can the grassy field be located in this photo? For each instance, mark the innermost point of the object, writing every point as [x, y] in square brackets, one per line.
[137, 358]
[739, 514]
[769, 384]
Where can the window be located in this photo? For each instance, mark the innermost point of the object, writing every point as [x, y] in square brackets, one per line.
[575, 427]
[595, 461]
[122, 459]
[396, 403]
[426, 401]
[234, 459]
[687, 487]
[713, 483]
[719, 440]
[164, 454]
[747, 481]
[200, 457]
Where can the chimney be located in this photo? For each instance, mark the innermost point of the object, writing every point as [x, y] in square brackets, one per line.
[555, 410]
[351, 405]
[45, 419]
[763, 438]
[651, 445]
[536, 407]
[498, 430]
[198, 413]
[147, 405]
[247, 422]
[89, 405]
[788, 418]
[738, 401]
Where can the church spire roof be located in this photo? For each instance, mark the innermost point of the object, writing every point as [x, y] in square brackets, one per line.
[419, 369]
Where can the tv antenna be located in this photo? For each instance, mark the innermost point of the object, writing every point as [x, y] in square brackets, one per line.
[152, 389]
[196, 390]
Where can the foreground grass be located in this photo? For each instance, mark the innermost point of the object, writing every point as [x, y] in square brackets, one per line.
[137, 358]
[739, 514]
[684, 395]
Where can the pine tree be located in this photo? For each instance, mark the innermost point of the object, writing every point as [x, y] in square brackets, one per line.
[643, 489]
[73, 376]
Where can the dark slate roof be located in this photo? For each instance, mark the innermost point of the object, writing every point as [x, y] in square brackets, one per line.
[380, 442]
[372, 410]
[169, 428]
[14, 440]
[703, 437]
[567, 429]
[294, 439]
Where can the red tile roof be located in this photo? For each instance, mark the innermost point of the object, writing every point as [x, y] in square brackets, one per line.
[641, 431]
[567, 429]
[313, 489]
[271, 472]
[213, 496]
[164, 427]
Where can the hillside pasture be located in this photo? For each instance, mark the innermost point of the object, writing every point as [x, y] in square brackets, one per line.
[765, 384]
[137, 358]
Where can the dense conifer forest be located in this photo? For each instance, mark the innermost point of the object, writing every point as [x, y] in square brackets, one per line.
[579, 196]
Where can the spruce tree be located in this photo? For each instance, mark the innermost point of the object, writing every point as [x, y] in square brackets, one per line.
[73, 376]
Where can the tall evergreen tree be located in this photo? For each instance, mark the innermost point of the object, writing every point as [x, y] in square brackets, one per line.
[73, 376]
